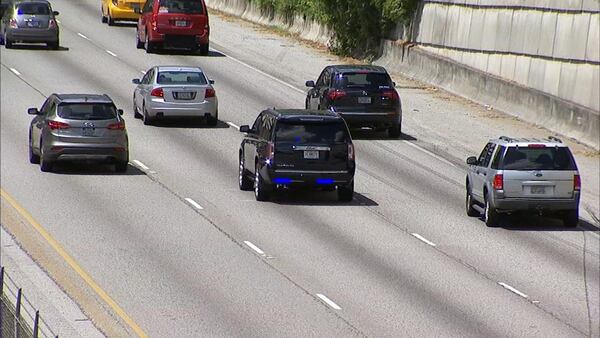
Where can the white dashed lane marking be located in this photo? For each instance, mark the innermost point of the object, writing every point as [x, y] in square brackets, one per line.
[193, 203]
[255, 248]
[16, 72]
[233, 125]
[328, 301]
[83, 36]
[423, 239]
[111, 53]
[510, 288]
[140, 164]
[429, 153]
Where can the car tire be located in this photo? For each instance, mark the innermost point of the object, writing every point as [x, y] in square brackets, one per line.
[148, 45]
[136, 112]
[138, 43]
[491, 217]
[471, 212]
[395, 131]
[146, 118]
[121, 166]
[262, 190]
[213, 121]
[571, 218]
[54, 44]
[346, 193]
[204, 49]
[110, 20]
[33, 157]
[245, 183]
[8, 44]
[45, 165]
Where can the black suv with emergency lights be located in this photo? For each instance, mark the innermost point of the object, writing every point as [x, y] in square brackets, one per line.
[363, 95]
[297, 148]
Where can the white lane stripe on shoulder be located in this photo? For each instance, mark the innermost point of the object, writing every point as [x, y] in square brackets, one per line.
[233, 125]
[140, 164]
[83, 36]
[16, 72]
[193, 203]
[510, 288]
[423, 239]
[428, 152]
[328, 301]
[255, 248]
[111, 53]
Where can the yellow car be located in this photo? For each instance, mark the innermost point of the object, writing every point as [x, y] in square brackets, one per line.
[120, 10]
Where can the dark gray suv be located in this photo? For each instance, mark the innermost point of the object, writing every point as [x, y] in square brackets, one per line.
[31, 22]
[78, 127]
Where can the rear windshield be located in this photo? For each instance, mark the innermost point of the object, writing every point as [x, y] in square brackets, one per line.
[363, 80]
[547, 158]
[303, 132]
[33, 9]
[181, 78]
[181, 6]
[87, 111]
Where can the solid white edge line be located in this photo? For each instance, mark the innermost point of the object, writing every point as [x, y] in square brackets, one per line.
[254, 247]
[193, 203]
[111, 53]
[83, 36]
[143, 72]
[16, 72]
[233, 125]
[140, 164]
[508, 287]
[423, 239]
[429, 152]
[263, 73]
[328, 301]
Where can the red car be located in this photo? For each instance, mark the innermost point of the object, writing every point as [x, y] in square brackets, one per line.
[173, 24]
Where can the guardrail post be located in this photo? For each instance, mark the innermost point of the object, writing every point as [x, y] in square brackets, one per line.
[18, 313]
[36, 323]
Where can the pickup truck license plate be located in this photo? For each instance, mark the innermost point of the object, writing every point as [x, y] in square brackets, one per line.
[311, 154]
[538, 190]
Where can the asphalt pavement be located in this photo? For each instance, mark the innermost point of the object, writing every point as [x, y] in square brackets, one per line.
[185, 253]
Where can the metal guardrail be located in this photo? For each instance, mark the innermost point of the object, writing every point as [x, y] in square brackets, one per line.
[18, 317]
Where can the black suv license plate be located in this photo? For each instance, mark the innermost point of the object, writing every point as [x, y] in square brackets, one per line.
[311, 154]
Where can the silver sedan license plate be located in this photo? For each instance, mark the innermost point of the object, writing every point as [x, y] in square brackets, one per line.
[538, 190]
[184, 95]
[311, 154]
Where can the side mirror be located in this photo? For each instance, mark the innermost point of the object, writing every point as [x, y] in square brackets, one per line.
[472, 160]
[211, 81]
[33, 111]
[120, 111]
[244, 129]
[394, 84]
[310, 83]
[135, 81]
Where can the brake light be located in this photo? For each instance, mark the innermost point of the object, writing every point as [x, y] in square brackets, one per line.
[52, 23]
[13, 23]
[58, 125]
[498, 182]
[153, 21]
[392, 95]
[576, 182]
[336, 94]
[117, 126]
[270, 152]
[350, 152]
[157, 92]
[210, 92]
[536, 146]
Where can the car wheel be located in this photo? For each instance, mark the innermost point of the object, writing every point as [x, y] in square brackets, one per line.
[145, 117]
[136, 112]
[346, 193]
[471, 212]
[203, 49]
[138, 43]
[571, 218]
[121, 166]
[213, 121]
[111, 21]
[45, 165]
[262, 191]
[33, 157]
[148, 46]
[490, 215]
[245, 183]
[54, 44]
[8, 43]
[395, 131]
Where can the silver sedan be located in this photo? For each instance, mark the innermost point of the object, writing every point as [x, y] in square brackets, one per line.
[173, 91]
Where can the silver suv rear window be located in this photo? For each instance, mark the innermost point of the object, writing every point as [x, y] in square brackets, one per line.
[538, 158]
[87, 111]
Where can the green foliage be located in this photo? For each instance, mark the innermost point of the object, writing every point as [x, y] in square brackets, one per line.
[358, 25]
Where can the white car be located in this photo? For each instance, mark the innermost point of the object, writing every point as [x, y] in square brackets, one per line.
[174, 91]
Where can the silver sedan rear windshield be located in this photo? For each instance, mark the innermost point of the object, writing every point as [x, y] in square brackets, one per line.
[33, 9]
[538, 158]
[87, 111]
[178, 77]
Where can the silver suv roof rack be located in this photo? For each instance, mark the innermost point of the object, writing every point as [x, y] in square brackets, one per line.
[555, 139]
[506, 138]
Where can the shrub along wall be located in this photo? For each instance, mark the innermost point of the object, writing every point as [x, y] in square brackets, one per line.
[357, 25]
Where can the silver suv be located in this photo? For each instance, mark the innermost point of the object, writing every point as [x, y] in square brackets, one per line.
[523, 175]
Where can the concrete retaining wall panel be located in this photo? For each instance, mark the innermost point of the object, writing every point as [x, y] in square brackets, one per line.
[563, 44]
[536, 76]
[522, 69]
[595, 98]
[552, 77]
[453, 24]
[439, 28]
[507, 68]
[530, 32]
[580, 29]
[568, 74]
[583, 84]
[489, 28]
[503, 31]
[591, 5]
[592, 52]
[546, 37]
[476, 30]
[425, 34]
[494, 65]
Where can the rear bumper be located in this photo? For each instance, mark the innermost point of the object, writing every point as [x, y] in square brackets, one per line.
[189, 39]
[75, 152]
[517, 204]
[374, 119]
[122, 13]
[159, 107]
[307, 178]
[32, 35]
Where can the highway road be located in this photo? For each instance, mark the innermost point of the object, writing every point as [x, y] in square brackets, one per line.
[185, 253]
